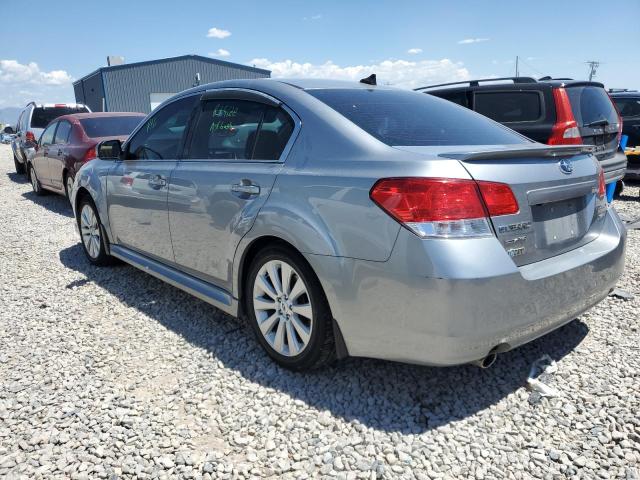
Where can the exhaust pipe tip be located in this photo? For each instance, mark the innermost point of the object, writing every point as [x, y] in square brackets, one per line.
[487, 361]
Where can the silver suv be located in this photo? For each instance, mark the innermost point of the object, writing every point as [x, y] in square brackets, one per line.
[351, 219]
[31, 123]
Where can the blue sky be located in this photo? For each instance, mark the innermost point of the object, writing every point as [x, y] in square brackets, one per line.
[408, 43]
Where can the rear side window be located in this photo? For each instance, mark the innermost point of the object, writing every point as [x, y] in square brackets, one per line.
[110, 126]
[398, 117]
[41, 116]
[628, 107]
[240, 130]
[62, 133]
[591, 104]
[506, 107]
[461, 98]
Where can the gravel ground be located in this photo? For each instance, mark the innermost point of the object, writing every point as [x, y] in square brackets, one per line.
[109, 373]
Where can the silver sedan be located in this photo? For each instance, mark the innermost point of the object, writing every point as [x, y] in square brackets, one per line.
[353, 219]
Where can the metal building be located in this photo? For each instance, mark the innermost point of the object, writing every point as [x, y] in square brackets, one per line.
[141, 86]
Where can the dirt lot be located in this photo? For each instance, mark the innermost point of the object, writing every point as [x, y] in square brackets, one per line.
[108, 373]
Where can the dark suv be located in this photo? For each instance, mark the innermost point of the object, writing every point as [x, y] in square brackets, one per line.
[628, 103]
[558, 111]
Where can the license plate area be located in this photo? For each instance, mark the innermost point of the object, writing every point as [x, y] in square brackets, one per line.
[560, 223]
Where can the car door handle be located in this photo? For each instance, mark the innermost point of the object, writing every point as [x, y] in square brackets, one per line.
[158, 181]
[246, 188]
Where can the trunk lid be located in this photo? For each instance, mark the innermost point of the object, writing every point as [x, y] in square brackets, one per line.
[558, 210]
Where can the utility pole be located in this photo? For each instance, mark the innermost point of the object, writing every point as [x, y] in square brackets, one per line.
[517, 58]
[593, 66]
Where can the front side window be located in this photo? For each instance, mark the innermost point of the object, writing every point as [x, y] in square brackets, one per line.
[506, 107]
[405, 118]
[239, 130]
[47, 136]
[62, 133]
[161, 136]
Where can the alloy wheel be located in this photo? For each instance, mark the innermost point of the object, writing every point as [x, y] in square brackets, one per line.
[69, 186]
[90, 231]
[282, 308]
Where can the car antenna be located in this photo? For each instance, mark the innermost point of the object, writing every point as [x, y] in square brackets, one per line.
[370, 80]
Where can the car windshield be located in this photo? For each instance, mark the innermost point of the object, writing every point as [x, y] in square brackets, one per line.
[405, 118]
[43, 115]
[110, 126]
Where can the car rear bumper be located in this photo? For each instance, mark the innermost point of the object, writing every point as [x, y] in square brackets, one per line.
[614, 167]
[448, 302]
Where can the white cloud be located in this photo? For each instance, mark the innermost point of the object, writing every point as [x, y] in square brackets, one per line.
[313, 17]
[12, 72]
[218, 33]
[221, 52]
[414, 51]
[466, 41]
[402, 73]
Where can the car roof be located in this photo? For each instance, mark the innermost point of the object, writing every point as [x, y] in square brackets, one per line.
[82, 116]
[626, 93]
[56, 105]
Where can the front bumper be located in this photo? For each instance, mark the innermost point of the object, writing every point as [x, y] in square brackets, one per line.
[448, 302]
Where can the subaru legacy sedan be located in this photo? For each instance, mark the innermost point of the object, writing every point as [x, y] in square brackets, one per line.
[348, 219]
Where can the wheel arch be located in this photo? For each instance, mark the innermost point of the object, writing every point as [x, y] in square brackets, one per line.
[249, 252]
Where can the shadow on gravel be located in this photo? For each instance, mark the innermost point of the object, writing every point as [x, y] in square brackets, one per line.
[17, 177]
[51, 201]
[383, 395]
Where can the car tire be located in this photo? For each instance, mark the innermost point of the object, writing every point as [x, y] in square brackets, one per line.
[35, 183]
[19, 166]
[68, 179]
[297, 332]
[92, 236]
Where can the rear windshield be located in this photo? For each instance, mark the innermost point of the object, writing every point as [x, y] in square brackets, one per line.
[505, 107]
[591, 104]
[43, 115]
[110, 126]
[398, 117]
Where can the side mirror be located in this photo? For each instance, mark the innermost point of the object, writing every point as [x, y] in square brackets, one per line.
[109, 150]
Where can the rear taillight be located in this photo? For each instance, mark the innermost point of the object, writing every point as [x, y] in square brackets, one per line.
[602, 188]
[90, 154]
[444, 207]
[565, 131]
[30, 137]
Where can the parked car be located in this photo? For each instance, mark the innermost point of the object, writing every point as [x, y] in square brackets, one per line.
[628, 103]
[557, 111]
[31, 122]
[69, 142]
[354, 219]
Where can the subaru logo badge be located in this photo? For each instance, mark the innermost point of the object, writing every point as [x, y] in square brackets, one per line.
[566, 166]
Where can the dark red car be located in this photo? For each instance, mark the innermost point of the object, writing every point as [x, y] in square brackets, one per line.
[69, 142]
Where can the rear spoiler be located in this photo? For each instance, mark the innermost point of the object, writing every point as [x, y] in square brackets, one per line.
[537, 151]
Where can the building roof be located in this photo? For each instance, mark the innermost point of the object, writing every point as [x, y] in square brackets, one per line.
[200, 58]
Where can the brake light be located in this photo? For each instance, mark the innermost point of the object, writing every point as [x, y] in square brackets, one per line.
[30, 137]
[602, 188]
[90, 154]
[565, 131]
[444, 207]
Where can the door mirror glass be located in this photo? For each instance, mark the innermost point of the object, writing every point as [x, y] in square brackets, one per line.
[109, 149]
